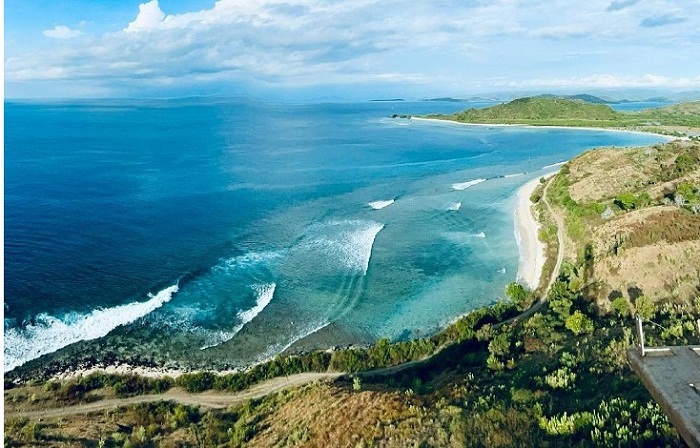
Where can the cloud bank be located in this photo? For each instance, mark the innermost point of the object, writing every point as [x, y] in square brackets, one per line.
[423, 46]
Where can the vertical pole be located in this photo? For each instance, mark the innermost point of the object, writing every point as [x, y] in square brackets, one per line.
[640, 333]
[698, 327]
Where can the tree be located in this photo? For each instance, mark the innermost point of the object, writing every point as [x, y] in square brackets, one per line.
[621, 306]
[518, 294]
[500, 345]
[645, 307]
[579, 323]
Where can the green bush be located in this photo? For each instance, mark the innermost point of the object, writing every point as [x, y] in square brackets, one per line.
[196, 382]
[579, 323]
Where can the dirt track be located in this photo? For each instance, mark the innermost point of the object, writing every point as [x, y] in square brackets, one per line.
[210, 399]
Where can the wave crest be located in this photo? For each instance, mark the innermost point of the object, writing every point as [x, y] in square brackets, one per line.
[50, 333]
[264, 297]
[378, 205]
[464, 185]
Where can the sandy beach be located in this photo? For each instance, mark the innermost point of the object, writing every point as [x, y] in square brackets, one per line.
[531, 250]
[529, 126]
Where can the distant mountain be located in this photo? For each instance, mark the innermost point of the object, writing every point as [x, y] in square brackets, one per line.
[389, 100]
[448, 99]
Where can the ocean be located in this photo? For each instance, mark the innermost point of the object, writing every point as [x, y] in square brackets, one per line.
[217, 230]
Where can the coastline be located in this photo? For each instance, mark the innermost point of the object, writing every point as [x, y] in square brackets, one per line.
[531, 259]
[530, 126]
[531, 251]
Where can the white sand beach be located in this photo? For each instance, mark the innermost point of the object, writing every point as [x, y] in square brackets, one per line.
[529, 126]
[531, 249]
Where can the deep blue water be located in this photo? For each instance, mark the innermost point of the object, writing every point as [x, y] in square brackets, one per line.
[248, 226]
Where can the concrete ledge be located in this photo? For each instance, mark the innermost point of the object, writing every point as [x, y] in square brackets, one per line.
[668, 373]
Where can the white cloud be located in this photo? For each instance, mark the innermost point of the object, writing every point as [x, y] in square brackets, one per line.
[149, 17]
[62, 32]
[321, 42]
[607, 81]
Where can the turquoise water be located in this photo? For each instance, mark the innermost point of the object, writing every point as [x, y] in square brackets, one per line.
[230, 229]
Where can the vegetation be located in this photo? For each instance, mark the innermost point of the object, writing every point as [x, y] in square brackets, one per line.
[579, 111]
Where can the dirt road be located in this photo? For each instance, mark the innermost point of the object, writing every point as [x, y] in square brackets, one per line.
[209, 399]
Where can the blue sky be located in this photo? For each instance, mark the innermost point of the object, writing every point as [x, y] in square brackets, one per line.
[347, 48]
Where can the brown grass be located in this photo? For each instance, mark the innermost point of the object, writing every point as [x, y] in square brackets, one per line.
[604, 173]
[327, 416]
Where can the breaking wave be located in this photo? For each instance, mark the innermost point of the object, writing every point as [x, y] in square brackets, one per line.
[455, 206]
[349, 242]
[378, 205]
[264, 297]
[464, 185]
[48, 333]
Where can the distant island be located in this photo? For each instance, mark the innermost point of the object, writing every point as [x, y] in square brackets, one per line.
[677, 120]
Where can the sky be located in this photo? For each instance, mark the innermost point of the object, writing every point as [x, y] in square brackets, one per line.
[346, 48]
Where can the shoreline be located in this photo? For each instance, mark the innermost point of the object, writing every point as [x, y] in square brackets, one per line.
[531, 259]
[548, 126]
[531, 251]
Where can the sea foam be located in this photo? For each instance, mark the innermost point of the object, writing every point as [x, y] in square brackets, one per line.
[50, 333]
[378, 205]
[464, 185]
[264, 297]
[553, 165]
[351, 243]
[454, 206]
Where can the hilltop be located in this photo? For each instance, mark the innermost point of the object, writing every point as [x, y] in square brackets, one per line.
[680, 119]
[537, 108]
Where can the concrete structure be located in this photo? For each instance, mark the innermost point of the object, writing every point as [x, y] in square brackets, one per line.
[672, 377]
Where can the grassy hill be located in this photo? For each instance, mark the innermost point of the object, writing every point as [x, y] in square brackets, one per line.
[637, 212]
[541, 108]
[679, 119]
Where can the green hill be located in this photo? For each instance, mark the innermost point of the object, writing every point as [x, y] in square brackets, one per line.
[690, 108]
[679, 119]
[539, 109]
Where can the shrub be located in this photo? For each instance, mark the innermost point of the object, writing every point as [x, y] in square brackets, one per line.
[645, 307]
[621, 306]
[196, 382]
[626, 201]
[579, 323]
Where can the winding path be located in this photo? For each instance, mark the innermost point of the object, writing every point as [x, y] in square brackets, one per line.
[209, 399]
[560, 235]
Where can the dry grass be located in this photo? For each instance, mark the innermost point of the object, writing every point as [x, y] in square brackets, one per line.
[327, 416]
[655, 250]
[657, 271]
[604, 173]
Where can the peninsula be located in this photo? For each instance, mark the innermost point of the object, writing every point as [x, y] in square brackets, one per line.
[676, 120]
